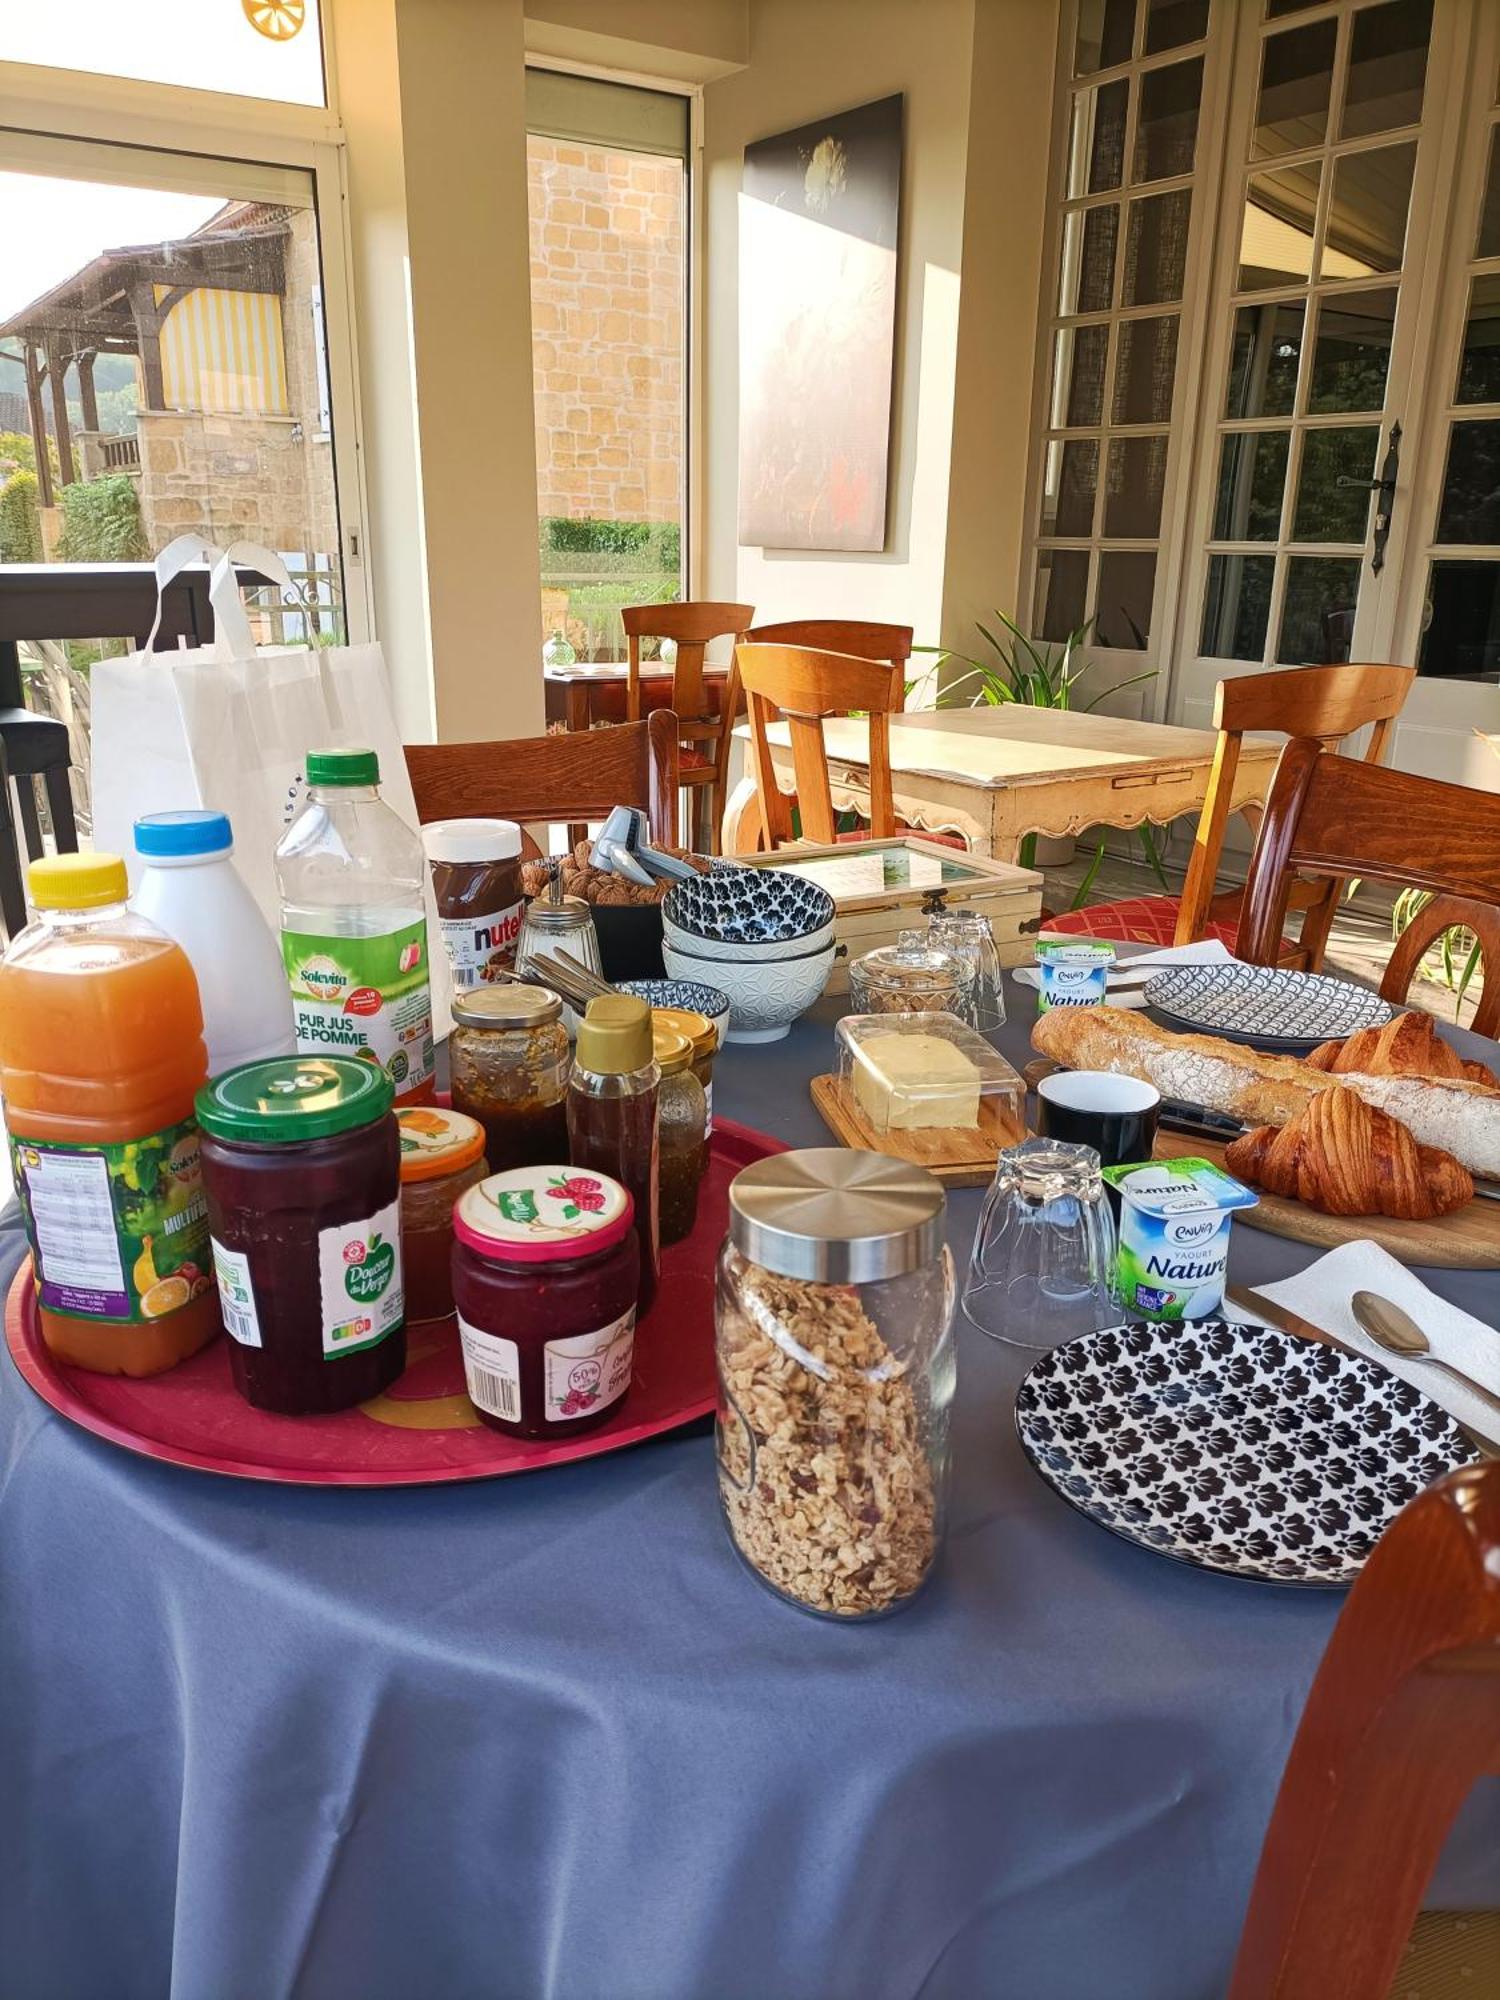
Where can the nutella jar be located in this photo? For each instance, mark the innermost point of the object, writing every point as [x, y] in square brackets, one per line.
[476, 879]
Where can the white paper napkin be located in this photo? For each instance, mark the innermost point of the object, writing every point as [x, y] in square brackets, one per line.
[1322, 1294]
[1208, 951]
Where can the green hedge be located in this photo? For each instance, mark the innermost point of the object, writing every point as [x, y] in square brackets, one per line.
[654, 545]
[20, 523]
[102, 521]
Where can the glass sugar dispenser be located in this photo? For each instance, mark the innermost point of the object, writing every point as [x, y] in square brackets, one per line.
[911, 976]
[836, 1373]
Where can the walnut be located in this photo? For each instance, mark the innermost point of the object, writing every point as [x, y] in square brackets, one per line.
[826, 1484]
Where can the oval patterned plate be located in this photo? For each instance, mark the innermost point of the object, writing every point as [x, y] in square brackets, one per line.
[1234, 1448]
[1269, 1005]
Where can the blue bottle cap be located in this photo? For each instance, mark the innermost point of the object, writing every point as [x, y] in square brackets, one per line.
[170, 835]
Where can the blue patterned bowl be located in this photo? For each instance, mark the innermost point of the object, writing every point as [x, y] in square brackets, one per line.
[757, 907]
[692, 994]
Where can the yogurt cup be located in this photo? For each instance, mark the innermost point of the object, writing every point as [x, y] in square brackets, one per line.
[1173, 1244]
[1073, 972]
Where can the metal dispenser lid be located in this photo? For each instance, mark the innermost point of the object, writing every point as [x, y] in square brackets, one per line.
[837, 1216]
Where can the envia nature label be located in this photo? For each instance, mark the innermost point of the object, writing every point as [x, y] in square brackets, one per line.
[364, 996]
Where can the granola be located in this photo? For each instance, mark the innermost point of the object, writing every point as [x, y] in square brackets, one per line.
[825, 1480]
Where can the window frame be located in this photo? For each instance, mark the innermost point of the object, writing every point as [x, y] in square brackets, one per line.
[1203, 181]
[62, 108]
[693, 305]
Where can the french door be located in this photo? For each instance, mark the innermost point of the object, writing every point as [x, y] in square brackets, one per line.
[1346, 492]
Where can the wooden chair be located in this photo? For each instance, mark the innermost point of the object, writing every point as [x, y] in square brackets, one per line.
[1404, 1715]
[569, 778]
[703, 764]
[860, 638]
[803, 686]
[1332, 817]
[1329, 703]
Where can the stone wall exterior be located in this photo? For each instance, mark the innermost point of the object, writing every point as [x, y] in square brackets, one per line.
[608, 237]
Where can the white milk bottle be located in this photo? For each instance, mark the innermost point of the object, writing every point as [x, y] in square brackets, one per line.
[353, 924]
[191, 889]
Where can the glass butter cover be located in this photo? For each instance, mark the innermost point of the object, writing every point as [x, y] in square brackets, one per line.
[920, 1071]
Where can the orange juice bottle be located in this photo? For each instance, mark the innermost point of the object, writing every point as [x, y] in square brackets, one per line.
[101, 1052]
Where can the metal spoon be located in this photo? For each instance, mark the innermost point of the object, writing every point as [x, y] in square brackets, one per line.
[1390, 1326]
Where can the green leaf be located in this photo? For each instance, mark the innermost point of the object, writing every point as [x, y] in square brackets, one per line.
[1153, 855]
[1115, 687]
[1081, 893]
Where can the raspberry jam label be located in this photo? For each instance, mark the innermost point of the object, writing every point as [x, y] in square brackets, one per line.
[590, 1371]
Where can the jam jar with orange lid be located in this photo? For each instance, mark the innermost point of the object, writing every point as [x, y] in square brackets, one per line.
[301, 1170]
[508, 1065]
[546, 1264]
[442, 1154]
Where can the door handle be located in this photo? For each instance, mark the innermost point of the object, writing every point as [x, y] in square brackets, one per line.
[1385, 486]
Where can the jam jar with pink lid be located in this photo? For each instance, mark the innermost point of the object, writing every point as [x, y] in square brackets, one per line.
[546, 1265]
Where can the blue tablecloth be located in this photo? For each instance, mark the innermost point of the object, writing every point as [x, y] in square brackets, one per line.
[546, 1738]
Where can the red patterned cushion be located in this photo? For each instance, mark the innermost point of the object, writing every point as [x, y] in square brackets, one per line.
[692, 760]
[1135, 920]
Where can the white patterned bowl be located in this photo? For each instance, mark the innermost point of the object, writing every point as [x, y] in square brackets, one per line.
[764, 998]
[731, 951]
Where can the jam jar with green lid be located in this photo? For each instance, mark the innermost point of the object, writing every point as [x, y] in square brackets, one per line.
[301, 1168]
[546, 1264]
[508, 1062]
[442, 1155]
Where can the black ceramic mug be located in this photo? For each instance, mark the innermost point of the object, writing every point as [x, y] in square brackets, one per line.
[1116, 1115]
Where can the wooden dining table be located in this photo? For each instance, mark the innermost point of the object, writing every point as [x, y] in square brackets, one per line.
[594, 690]
[995, 775]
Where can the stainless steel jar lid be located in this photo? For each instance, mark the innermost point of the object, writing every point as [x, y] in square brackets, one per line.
[511, 1005]
[837, 1216]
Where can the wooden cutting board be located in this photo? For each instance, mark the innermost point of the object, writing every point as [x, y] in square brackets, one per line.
[1466, 1240]
[956, 1157]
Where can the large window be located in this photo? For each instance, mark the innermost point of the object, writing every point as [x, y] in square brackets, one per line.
[1114, 314]
[607, 177]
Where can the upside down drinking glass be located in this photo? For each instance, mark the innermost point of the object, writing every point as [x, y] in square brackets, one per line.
[1039, 1273]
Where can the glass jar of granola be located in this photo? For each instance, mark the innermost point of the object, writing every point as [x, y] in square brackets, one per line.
[836, 1372]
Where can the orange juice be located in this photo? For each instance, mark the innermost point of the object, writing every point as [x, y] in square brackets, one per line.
[101, 1052]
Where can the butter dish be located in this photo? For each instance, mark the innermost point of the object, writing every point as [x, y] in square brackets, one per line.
[919, 1072]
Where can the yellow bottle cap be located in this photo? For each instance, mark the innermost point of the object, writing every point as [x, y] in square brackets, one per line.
[614, 1036]
[699, 1030]
[77, 881]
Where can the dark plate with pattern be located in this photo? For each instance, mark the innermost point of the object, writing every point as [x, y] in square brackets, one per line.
[1269, 1006]
[1234, 1448]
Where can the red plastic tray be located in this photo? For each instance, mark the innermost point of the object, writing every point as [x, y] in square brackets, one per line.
[423, 1430]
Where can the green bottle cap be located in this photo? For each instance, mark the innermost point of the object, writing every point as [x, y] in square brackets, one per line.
[343, 767]
[288, 1098]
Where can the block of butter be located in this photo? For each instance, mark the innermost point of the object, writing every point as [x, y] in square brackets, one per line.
[905, 1082]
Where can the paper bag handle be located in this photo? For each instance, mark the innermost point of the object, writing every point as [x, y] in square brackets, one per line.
[232, 634]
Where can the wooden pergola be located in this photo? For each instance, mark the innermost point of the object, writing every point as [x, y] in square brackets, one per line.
[111, 307]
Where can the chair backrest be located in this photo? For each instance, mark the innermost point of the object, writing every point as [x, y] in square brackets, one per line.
[803, 686]
[1327, 702]
[692, 626]
[563, 777]
[1332, 817]
[1404, 1715]
[860, 638]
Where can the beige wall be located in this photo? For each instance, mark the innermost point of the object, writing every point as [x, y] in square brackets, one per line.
[977, 79]
[433, 100]
[687, 40]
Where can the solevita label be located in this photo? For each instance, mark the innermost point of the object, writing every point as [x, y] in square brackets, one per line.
[364, 996]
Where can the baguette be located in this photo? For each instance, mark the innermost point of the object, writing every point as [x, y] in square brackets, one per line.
[1451, 1114]
[1198, 1069]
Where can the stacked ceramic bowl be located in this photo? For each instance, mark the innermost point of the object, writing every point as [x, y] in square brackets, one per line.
[763, 936]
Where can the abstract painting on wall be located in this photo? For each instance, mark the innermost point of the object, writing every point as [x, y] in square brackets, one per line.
[818, 216]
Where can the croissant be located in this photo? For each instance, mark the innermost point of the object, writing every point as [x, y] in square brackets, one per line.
[1346, 1157]
[1408, 1045]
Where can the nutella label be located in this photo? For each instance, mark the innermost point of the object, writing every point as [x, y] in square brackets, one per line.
[483, 946]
